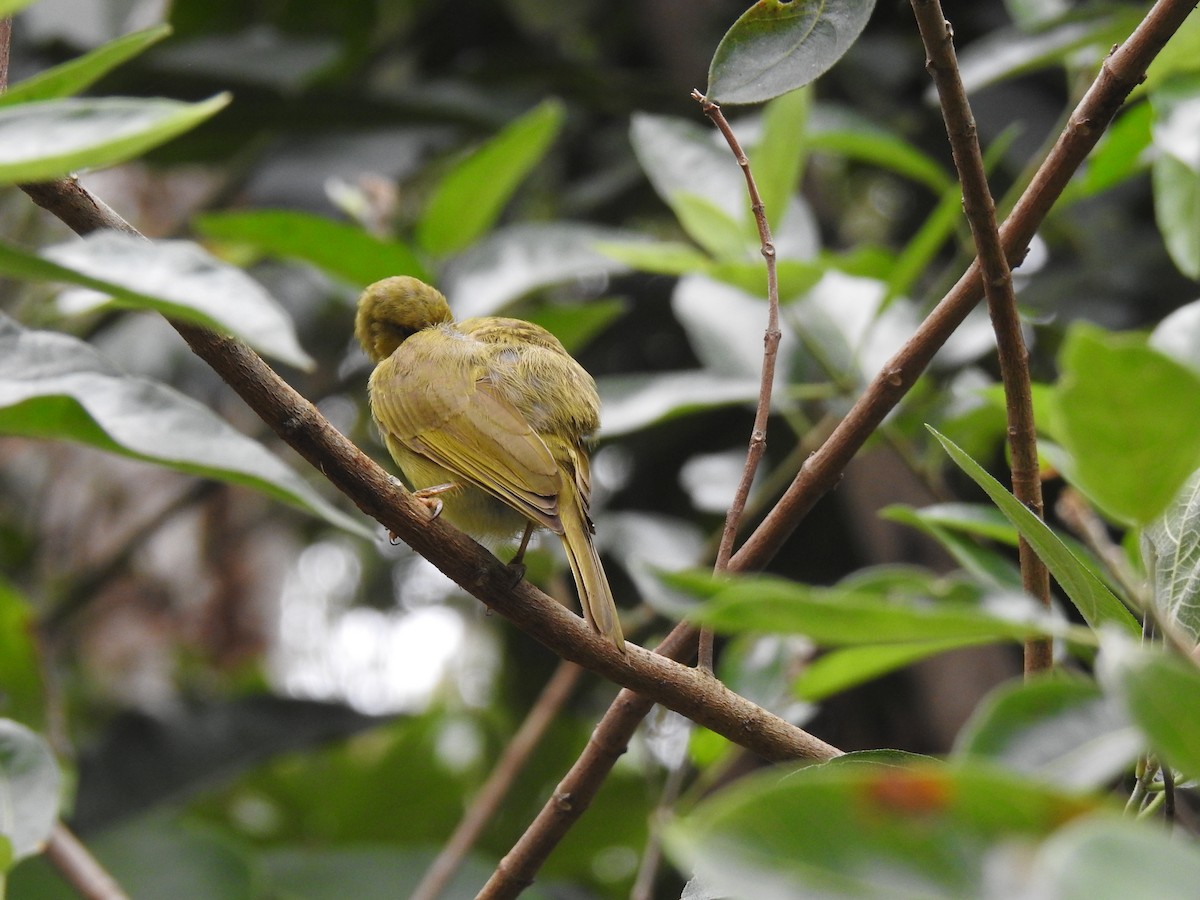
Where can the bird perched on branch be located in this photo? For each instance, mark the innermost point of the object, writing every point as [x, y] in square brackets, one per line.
[487, 419]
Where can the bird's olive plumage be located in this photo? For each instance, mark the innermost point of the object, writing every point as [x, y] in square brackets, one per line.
[495, 407]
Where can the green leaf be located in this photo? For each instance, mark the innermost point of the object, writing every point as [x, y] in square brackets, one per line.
[23, 697]
[659, 257]
[986, 565]
[1009, 52]
[1171, 549]
[341, 249]
[8, 7]
[1177, 211]
[1161, 693]
[1120, 155]
[777, 46]
[633, 402]
[1112, 858]
[1129, 417]
[29, 789]
[513, 261]
[575, 326]
[1095, 602]
[839, 670]
[78, 74]
[1062, 729]
[469, 199]
[708, 226]
[682, 158]
[847, 134]
[867, 830]
[1178, 336]
[841, 616]
[47, 140]
[778, 157]
[175, 278]
[57, 387]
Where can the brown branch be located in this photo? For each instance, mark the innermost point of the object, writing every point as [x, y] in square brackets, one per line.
[302, 427]
[80, 868]
[942, 64]
[771, 337]
[554, 695]
[1119, 74]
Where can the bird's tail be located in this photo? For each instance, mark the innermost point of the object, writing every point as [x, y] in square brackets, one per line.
[595, 596]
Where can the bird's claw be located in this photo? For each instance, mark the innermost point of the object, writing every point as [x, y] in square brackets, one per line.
[517, 569]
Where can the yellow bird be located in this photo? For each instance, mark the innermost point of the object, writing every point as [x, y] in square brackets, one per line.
[488, 418]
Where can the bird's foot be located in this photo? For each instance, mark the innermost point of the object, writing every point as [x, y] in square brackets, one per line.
[516, 568]
[516, 565]
[429, 497]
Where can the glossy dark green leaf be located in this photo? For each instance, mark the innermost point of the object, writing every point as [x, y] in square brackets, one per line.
[176, 278]
[868, 830]
[47, 140]
[1095, 602]
[1129, 418]
[469, 199]
[1063, 729]
[776, 47]
[339, 248]
[78, 74]
[57, 387]
[29, 785]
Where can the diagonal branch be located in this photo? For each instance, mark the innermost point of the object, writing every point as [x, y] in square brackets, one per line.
[980, 208]
[301, 426]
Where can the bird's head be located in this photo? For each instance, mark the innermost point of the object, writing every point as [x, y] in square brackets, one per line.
[393, 310]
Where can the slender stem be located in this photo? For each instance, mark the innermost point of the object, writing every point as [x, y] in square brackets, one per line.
[552, 699]
[80, 868]
[942, 64]
[771, 338]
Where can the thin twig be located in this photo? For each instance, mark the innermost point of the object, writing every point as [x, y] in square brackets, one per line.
[554, 695]
[80, 868]
[942, 64]
[771, 337]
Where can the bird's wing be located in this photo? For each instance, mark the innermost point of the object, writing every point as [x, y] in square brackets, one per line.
[458, 421]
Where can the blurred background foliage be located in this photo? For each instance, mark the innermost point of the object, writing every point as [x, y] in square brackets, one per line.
[251, 702]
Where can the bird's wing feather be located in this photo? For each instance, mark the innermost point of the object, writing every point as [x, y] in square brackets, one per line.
[457, 420]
